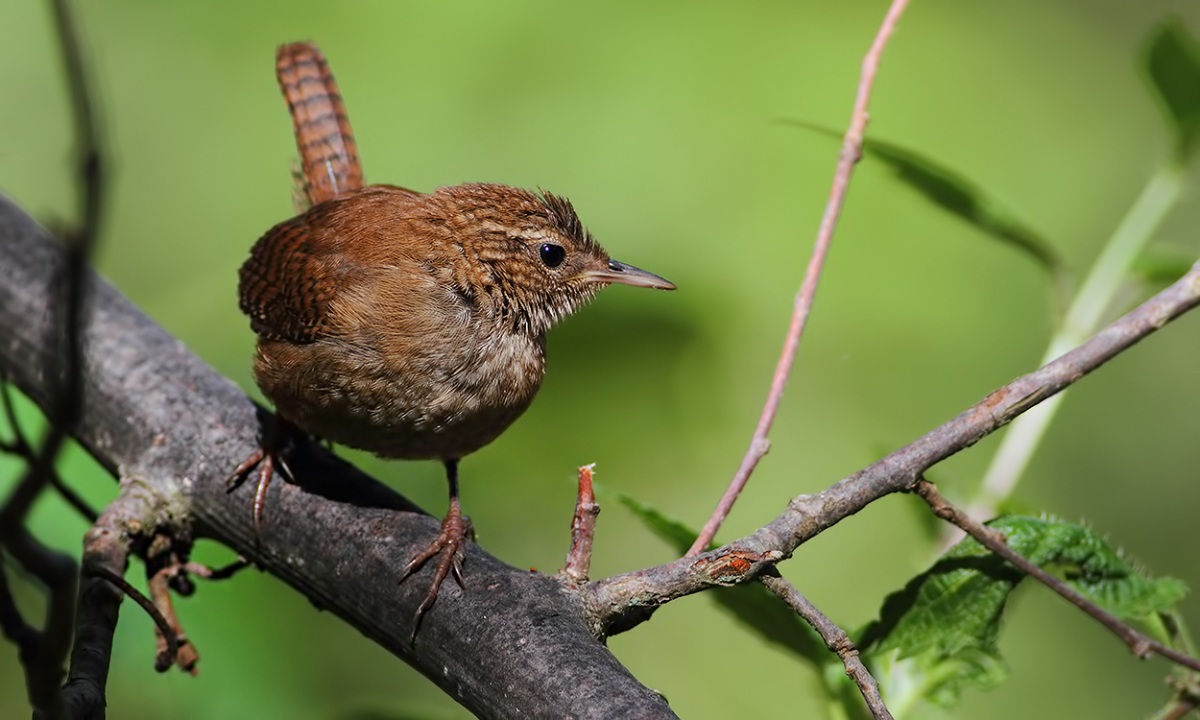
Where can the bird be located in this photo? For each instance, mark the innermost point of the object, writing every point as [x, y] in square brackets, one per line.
[414, 325]
[411, 325]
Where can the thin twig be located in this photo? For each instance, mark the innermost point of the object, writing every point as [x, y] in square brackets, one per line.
[1179, 709]
[165, 631]
[72, 498]
[835, 639]
[622, 599]
[19, 446]
[1139, 644]
[67, 404]
[849, 157]
[56, 570]
[13, 625]
[1093, 299]
[57, 573]
[583, 530]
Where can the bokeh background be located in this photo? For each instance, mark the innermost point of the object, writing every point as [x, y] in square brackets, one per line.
[661, 122]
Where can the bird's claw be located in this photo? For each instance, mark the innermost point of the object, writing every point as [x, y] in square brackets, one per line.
[449, 547]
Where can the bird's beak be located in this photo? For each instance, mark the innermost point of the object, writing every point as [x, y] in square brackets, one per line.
[620, 273]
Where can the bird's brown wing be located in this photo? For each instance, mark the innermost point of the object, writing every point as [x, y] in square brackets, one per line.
[286, 285]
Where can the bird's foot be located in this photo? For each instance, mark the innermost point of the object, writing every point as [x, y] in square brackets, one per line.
[266, 458]
[450, 547]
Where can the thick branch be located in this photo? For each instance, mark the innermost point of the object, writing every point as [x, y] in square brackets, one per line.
[514, 644]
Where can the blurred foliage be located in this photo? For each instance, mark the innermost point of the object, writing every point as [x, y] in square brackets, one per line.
[960, 196]
[1173, 64]
[658, 120]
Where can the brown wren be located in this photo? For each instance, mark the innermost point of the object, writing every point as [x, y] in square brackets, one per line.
[413, 325]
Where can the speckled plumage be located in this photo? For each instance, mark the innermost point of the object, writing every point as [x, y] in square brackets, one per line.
[413, 325]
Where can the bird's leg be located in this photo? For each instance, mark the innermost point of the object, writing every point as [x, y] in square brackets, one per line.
[449, 547]
[277, 433]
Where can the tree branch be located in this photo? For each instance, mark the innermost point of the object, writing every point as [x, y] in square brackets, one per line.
[628, 599]
[851, 153]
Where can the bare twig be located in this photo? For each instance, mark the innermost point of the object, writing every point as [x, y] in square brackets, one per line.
[166, 632]
[835, 639]
[56, 571]
[72, 498]
[1179, 709]
[583, 530]
[849, 157]
[65, 410]
[1092, 300]
[1139, 644]
[19, 446]
[623, 599]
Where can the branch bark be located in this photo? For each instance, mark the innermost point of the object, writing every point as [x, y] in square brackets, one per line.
[514, 644]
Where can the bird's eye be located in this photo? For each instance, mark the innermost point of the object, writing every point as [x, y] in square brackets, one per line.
[552, 255]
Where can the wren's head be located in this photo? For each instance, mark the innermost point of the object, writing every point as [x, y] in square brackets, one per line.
[538, 257]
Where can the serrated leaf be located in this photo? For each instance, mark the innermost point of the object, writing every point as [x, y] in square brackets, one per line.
[1172, 63]
[960, 196]
[753, 605]
[940, 631]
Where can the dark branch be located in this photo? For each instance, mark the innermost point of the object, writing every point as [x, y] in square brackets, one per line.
[106, 548]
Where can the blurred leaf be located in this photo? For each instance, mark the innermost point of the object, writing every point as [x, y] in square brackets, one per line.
[678, 535]
[1173, 64]
[1159, 268]
[959, 195]
[940, 631]
[752, 604]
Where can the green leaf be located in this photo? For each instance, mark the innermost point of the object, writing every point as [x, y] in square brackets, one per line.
[1172, 63]
[960, 196]
[937, 636]
[1160, 268]
[753, 605]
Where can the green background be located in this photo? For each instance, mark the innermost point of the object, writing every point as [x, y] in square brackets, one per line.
[660, 121]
